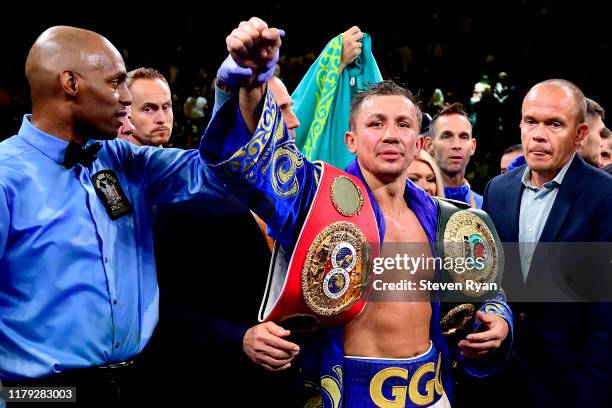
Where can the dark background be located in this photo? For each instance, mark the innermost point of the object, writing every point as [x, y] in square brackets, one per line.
[452, 45]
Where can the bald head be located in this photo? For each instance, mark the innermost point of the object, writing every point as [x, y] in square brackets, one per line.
[576, 94]
[77, 79]
[552, 127]
[62, 48]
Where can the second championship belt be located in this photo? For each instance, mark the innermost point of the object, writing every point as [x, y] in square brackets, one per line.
[474, 261]
[324, 282]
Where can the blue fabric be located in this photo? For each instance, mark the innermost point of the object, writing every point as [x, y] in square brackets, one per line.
[463, 193]
[517, 162]
[369, 383]
[220, 98]
[76, 288]
[322, 101]
[265, 171]
[254, 171]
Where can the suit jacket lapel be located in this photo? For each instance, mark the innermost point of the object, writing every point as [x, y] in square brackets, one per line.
[558, 213]
[512, 280]
[563, 202]
[513, 205]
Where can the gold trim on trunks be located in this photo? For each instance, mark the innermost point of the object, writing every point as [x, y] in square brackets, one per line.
[335, 273]
[346, 196]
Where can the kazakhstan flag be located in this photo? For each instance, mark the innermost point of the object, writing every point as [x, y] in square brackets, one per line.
[322, 101]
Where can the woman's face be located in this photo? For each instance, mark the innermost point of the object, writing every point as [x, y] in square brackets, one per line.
[421, 174]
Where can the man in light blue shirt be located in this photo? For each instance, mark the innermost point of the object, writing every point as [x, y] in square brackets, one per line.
[536, 204]
[557, 208]
[78, 284]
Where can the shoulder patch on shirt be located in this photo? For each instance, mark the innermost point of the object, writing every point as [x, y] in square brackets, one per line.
[111, 194]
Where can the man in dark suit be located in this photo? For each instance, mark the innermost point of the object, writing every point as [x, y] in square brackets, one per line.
[210, 291]
[564, 327]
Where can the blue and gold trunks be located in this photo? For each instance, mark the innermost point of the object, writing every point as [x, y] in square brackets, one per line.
[378, 382]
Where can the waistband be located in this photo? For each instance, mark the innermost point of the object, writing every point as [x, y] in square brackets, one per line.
[78, 376]
[406, 382]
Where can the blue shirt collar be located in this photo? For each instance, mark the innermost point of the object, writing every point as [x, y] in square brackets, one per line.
[49, 145]
[526, 179]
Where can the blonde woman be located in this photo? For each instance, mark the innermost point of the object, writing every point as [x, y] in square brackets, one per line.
[425, 173]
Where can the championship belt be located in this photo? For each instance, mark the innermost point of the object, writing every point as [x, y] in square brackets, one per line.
[468, 234]
[325, 281]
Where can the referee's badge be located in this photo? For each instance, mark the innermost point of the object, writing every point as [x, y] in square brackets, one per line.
[111, 194]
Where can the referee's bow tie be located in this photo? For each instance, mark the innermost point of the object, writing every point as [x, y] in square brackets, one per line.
[76, 153]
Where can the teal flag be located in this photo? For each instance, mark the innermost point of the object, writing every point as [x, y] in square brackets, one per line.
[322, 101]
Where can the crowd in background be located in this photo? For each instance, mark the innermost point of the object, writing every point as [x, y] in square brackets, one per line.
[486, 58]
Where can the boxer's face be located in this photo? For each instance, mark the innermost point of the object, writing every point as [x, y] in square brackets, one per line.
[385, 136]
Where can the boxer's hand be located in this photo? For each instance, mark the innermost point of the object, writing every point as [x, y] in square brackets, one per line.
[482, 343]
[253, 45]
[351, 46]
[264, 345]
